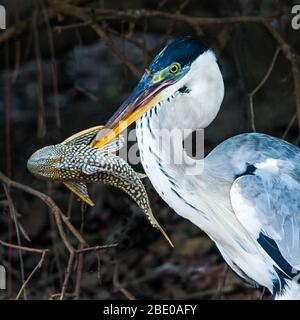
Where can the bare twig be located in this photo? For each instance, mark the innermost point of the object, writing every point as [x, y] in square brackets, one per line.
[97, 248]
[57, 7]
[289, 126]
[87, 93]
[79, 256]
[129, 39]
[110, 14]
[7, 124]
[23, 248]
[17, 60]
[265, 78]
[67, 275]
[41, 122]
[259, 86]
[54, 238]
[118, 286]
[13, 214]
[22, 26]
[292, 58]
[38, 266]
[53, 65]
[60, 218]
[78, 274]
[85, 15]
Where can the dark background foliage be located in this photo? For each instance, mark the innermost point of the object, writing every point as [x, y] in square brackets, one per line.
[66, 66]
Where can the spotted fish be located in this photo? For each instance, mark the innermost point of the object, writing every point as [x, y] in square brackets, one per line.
[75, 163]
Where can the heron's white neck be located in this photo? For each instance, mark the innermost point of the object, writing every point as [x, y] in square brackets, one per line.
[192, 103]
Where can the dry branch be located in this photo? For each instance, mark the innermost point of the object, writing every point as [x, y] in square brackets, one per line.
[53, 64]
[41, 117]
[60, 220]
[38, 266]
[292, 58]
[259, 86]
[137, 14]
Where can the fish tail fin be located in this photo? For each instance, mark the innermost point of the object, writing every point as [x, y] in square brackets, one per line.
[156, 225]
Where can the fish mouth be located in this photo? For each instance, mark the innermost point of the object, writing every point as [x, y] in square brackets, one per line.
[34, 167]
[37, 164]
[34, 164]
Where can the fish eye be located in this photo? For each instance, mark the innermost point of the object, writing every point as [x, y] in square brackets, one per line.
[174, 68]
[41, 162]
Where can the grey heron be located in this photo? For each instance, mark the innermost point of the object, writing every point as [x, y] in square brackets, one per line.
[247, 197]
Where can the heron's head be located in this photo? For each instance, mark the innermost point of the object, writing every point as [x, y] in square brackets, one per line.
[46, 163]
[184, 64]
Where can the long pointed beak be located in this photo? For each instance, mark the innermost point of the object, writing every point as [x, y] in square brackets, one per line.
[139, 102]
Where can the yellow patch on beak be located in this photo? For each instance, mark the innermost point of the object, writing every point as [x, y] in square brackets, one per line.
[107, 134]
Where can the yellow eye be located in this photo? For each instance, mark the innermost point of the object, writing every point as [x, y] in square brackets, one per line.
[174, 68]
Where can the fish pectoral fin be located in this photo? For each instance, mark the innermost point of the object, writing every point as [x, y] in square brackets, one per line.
[162, 231]
[156, 225]
[80, 190]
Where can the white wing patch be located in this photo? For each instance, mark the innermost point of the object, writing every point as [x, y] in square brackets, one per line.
[244, 208]
[268, 202]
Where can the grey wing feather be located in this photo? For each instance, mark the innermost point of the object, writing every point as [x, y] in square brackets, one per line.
[269, 203]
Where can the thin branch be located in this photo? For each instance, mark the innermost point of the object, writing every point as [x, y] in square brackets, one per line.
[41, 121]
[97, 248]
[265, 78]
[53, 65]
[130, 40]
[54, 239]
[136, 14]
[37, 267]
[259, 86]
[22, 26]
[67, 275]
[289, 126]
[84, 91]
[57, 7]
[292, 58]
[8, 160]
[59, 216]
[86, 16]
[13, 214]
[23, 248]
[17, 61]
[118, 286]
